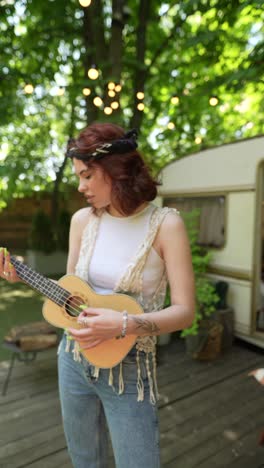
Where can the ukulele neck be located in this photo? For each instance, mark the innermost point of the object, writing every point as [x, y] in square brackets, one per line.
[40, 283]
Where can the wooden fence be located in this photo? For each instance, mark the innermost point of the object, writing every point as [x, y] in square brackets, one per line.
[16, 219]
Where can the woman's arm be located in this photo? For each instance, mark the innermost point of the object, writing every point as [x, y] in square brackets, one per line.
[78, 222]
[175, 250]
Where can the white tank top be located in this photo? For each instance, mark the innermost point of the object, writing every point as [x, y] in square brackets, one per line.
[116, 245]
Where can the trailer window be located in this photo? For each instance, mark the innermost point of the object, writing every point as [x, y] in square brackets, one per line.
[211, 219]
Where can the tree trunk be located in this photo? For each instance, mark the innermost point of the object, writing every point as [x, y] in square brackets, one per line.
[116, 49]
[89, 60]
[96, 50]
[140, 76]
[59, 175]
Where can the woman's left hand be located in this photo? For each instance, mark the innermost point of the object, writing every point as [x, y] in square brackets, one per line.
[98, 325]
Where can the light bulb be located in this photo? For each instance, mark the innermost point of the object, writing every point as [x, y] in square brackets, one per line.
[213, 101]
[175, 100]
[93, 73]
[111, 85]
[85, 3]
[140, 95]
[97, 101]
[140, 106]
[111, 93]
[86, 91]
[198, 140]
[108, 110]
[118, 88]
[29, 88]
[171, 126]
[114, 105]
[60, 91]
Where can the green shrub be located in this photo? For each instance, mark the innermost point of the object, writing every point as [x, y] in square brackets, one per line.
[63, 228]
[206, 297]
[41, 235]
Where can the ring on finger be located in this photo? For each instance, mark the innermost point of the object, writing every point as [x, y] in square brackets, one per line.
[83, 321]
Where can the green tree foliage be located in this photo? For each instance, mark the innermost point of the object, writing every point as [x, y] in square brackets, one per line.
[191, 50]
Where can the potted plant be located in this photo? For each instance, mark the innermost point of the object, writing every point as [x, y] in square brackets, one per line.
[203, 337]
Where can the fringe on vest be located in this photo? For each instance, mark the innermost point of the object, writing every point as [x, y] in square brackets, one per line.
[146, 344]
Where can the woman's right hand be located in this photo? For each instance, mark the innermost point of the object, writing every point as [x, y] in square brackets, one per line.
[7, 270]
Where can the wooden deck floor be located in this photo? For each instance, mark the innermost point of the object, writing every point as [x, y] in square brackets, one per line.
[211, 414]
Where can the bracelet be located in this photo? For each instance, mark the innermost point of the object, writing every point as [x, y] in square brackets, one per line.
[124, 326]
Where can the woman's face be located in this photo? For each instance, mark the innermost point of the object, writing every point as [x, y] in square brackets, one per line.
[93, 184]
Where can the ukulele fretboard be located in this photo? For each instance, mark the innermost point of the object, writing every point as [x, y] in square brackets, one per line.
[40, 283]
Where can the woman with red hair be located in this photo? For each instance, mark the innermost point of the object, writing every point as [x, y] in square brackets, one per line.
[123, 243]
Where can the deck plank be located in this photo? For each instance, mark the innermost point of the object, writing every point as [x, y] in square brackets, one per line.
[211, 413]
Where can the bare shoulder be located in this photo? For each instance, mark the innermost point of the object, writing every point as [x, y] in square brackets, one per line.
[172, 234]
[79, 220]
[80, 217]
[171, 230]
[172, 223]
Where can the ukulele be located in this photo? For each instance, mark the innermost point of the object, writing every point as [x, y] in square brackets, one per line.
[62, 307]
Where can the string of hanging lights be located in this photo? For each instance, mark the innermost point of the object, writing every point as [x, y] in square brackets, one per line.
[113, 90]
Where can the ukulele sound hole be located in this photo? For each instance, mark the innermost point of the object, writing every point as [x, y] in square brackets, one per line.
[72, 306]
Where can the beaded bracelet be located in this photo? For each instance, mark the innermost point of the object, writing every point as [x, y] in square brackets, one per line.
[124, 327]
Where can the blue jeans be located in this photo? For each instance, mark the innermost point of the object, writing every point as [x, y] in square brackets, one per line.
[90, 404]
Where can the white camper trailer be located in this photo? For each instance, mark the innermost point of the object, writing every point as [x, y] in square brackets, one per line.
[227, 184]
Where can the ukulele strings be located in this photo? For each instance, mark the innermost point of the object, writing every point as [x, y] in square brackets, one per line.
[73, 306]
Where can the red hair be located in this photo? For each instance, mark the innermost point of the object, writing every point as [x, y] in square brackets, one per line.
[132, 183]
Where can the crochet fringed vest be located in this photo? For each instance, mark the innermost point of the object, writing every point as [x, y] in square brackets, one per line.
[130, 283]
